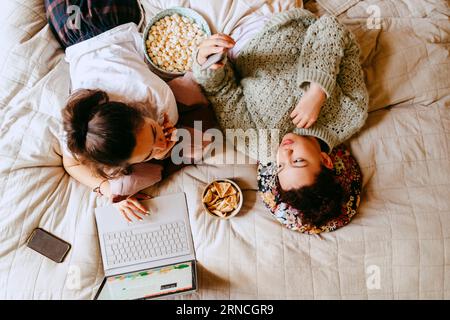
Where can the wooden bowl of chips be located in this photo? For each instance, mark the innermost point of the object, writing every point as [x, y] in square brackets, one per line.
[222, 198]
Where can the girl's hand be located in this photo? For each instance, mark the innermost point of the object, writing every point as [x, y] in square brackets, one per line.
[170, 134]
[307, 111]
[217, 43]
[130, 207]
[168, 129]
[170, 137]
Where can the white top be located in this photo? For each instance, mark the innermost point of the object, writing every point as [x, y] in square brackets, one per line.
[114, 62]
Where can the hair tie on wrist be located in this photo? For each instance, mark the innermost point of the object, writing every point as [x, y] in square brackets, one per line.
[98, 188]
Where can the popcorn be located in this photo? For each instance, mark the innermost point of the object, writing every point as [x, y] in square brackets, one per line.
[171, 42]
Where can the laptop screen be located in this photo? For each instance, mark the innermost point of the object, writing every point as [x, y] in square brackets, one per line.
[149, 283]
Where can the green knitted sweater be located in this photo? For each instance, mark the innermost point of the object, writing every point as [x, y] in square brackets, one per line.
[255, 98]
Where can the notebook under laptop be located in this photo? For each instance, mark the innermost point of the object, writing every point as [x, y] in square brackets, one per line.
[151, 258]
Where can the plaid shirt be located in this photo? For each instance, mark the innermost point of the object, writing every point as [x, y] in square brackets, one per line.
[75, 21]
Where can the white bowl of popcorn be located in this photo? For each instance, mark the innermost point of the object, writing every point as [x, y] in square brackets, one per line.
[171, 38]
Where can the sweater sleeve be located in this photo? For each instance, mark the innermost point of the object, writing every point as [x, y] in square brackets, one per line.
[321, 53]
[225, 94]
[346, 111]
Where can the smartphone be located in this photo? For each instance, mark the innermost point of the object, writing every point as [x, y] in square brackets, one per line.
[212, 59]
[48, 245]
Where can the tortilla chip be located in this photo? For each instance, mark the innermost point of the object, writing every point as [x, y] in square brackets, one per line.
[222, 204]
[227, 187]
[232, 200]
[208, 196]
[214, 199]
[228, 208]
[227, 202]
[212, 206]
[222, 188]
[219, 213]
[230, 191]
[218, 188]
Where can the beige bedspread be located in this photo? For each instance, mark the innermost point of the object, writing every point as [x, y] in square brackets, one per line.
[397, 246]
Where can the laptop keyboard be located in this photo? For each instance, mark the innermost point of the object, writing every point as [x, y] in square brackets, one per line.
[146, 244]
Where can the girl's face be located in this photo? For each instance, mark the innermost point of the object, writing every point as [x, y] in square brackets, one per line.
[150, 143]
[299, 160]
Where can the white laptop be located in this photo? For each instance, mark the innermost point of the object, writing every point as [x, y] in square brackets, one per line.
[148, 259]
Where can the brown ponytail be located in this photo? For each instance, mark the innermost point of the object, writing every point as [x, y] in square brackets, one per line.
[101, 133]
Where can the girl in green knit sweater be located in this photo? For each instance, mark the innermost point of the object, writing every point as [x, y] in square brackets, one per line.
[300, 75]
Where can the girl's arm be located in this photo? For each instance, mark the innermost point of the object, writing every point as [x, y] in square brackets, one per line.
[321, 53]
[142, 176]
[320, 56]
[84, 175]
[221, 89]
[330, 58]
[127, 207]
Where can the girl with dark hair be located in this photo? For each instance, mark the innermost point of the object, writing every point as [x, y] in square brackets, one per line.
[119, 112]
[299, 76]
[105, 138]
